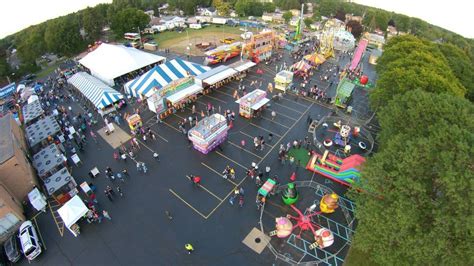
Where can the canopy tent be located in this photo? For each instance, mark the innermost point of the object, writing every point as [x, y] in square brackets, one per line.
[315, 59]
[47, 159]
[97, 92]
[162, 75]
[32, 110]
[108, 61]
[41, 130]
[215, 75]
[300, 66]
[242, 65]
[72, 211]
[58, 180]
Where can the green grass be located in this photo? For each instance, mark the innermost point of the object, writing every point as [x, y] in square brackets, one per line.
[356, 257]
[48, 70]
[168, 36]
[300, 154]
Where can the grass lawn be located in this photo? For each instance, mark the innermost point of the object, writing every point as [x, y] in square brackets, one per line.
[300, 154]
[48, 70]
[356, 257]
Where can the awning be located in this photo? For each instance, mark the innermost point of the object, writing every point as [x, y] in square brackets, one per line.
[32, 111]
[260, 103]
[242, 65]
[184, 93]
[162, 75]
[99, 93]
[220, 76]
[41, 129]
[72, 211]
[47, 159]
[58, 180]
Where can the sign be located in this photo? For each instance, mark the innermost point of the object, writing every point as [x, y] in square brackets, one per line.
[176, 86]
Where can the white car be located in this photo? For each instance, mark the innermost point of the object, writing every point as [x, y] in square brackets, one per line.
[29, 240]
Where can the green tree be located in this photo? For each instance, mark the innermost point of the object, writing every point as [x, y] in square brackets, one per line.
[31, 43]
[402, 22]
[92, 21]
[222, 7]
[461, 66]
[4, 66]
[355, 28]
[308, 22]
[268, 7]
[129, 20]
[287, 16]
[328, 8]
[62, 35]
[241, 7]
[424, 215]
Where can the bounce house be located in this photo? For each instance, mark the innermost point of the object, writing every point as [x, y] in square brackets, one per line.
[343, 171]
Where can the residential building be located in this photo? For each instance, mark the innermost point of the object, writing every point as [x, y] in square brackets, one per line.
[268, 17]
[233, 14]
[295, 12]
[207, 11]
[16, 172]
[294, 21]
[11, 213]
[375, 40]
[350, 17]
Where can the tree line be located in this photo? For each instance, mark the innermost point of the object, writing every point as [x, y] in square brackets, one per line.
[423, 173]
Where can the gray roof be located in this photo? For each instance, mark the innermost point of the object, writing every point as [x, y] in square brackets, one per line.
[40, 130]
[58, 180]
[32, 111]
[6, 139]
[47, 159]
[212, 72]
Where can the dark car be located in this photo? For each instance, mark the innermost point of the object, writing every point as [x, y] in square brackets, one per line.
[11, 249]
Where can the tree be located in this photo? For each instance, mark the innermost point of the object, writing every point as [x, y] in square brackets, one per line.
[241, 7]
[308, 22]
[288, 4]
[461, 66]
[268, 7]
[391, 22]
[92, 21]
[341, 15]
[31, 43]
[129, 20]
[287, 16]
[222, 7]
[328, 8]
[424, 215]
[62, 35]
[355, 28]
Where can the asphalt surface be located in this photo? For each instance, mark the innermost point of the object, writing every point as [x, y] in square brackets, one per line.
[140, 233]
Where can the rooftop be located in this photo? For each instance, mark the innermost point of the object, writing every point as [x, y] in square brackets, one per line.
[6, 139]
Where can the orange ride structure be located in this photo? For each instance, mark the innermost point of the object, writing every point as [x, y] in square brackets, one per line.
[260, 46]
[222, 53]
[343, 171]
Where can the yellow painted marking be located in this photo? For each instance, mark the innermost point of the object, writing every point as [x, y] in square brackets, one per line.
[60, 229]
[231, 160]
[219, 174]
[228, 94]
[300, 104]
[231, 192]
[217, 99]
[189, 205]
[289, 108]
[208, 191]
[273, 121]
[278, 135]
[171, 126]
[242, 148]
[180, 117]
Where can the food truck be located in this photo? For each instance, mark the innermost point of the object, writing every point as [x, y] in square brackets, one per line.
[209, 133]
[283, 80]
[252, 103]
[134, 121]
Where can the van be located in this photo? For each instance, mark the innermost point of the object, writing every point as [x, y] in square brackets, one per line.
[30, 243]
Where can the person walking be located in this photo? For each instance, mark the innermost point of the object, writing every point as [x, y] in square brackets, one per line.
[156, 156]
[119, 190]
[189, 248]
[273, 115]
[168, 215]
[109, 196]
[106, 215]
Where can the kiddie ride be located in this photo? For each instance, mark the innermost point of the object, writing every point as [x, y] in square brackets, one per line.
[284, 226]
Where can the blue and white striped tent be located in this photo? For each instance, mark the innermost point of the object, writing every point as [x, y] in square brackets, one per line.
[162, 75]
[99, 93]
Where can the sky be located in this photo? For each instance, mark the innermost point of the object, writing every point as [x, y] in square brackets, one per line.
[453, 15]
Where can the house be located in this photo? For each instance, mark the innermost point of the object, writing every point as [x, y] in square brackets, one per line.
[391, 31]
[294, 21]
[150, 13]
[295, 12]
[172, 22]
[233, 14]
[155, 21]
[268, 17]
[207, 11]
[278, 18]
[350, 17]
[203, 19]
[16, 171]
[375, 40]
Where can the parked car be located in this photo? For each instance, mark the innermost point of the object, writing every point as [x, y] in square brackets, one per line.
[228, 40]
[11, 249]
[29, 240]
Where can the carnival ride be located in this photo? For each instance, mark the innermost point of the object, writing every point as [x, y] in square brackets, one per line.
[259, 47]
[358, 53]
[313, 236]
[326, 44]
[344, 92]
[222, 53]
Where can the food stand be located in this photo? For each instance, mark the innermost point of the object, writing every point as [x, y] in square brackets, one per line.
[252, 102]
[283, 80]
[209, 133]
[134, 121]
[71, 212]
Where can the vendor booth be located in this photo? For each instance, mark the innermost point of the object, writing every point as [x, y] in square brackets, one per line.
[252, 103]
[216, 77]
[42, 131]
[283, 80]
[71, 212]
[161, 76]
[209, 133]
[31, 112]
[300, 68]
[134, 121]
[48, 161]
[315, 59]
[99, 94]
[243, 67]
[61, 186]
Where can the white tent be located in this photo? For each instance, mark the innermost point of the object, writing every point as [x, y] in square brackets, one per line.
[109, 61]
[72, 211]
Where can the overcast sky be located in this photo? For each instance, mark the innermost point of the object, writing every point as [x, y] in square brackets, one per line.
[454, 15]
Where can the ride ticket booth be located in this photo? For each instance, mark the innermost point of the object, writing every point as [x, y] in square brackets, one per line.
[134, 121]
[252, 103]
[209, 133]
[283, 80]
